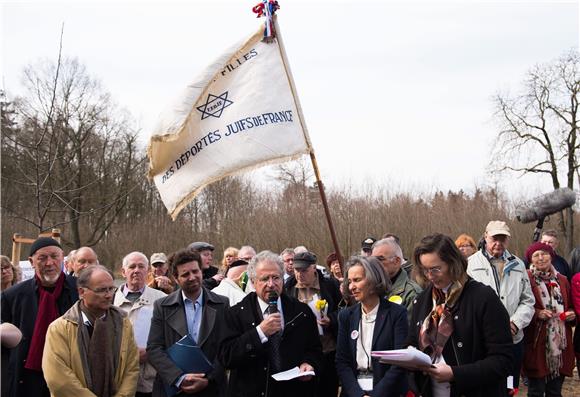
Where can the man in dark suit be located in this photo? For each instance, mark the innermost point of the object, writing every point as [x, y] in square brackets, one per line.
[269, 332]
[31, 306]
[193, 310]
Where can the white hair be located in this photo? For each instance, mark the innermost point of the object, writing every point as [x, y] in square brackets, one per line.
[264, 256]
[142, 255]
[397, 251]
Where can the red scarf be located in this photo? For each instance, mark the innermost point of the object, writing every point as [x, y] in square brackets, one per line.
[47, 313]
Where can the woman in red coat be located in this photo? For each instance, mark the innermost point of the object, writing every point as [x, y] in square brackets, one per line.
[549, 352]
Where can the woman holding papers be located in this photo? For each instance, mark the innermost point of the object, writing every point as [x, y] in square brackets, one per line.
[373, 323]
[461, 324]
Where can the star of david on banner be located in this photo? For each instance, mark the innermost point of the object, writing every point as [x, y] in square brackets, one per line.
[214, 105]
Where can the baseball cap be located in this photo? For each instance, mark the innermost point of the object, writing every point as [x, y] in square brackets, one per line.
[367, 243]
[201, 245]
[158, 257]
[495, 228]
[304, 259]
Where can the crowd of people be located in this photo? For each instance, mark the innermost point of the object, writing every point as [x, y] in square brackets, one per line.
[288, 324]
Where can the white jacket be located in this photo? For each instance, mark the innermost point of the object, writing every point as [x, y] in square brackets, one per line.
[140, 314]
[515, 290]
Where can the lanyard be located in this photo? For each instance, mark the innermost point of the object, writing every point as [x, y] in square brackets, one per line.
[363, 344]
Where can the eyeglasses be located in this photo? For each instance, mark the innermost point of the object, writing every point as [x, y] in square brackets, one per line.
[265, 279]
[434, 271]
[385, 258]
[104, 290]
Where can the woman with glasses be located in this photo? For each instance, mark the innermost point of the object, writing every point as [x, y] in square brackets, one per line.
[460, 324]
[466, 245]
[549, 351]
[373, 323]
[10, 274]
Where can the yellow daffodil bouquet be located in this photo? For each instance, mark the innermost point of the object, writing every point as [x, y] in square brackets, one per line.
[322, 306]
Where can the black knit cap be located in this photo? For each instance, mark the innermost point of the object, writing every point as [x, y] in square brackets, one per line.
[236, 263]
[42, 242]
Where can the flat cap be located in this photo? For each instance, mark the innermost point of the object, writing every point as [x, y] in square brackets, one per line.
[304, 259]
[201, 246]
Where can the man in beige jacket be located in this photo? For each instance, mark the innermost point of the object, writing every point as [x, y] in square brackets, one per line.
[90, 350]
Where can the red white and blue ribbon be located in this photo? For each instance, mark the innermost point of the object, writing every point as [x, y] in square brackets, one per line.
[267, 8]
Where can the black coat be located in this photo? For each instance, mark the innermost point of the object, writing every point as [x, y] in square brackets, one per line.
[20, 307]
[242, 352]
[329, 290]
[208, 281]
[390, 333]
[479, 350]
[169, 324]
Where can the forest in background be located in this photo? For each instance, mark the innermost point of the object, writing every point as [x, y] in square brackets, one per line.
[71, 160]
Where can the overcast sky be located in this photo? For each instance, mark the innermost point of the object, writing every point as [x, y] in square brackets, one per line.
[396, 93]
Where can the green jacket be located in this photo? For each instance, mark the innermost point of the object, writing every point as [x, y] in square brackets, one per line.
[406, 289]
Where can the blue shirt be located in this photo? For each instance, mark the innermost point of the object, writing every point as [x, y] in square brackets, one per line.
[193, 311]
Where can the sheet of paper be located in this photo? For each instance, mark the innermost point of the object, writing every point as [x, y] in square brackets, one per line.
[312, 305]
[405, 357]
[142, 325]
[291, 374]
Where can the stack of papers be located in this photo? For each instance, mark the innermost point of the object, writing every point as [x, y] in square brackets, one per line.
[410, 358]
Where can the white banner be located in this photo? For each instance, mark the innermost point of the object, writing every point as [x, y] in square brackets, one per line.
[239, 114]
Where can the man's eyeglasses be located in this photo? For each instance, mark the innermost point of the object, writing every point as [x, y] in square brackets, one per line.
[385, 258]
[434, 271]
[104, 290]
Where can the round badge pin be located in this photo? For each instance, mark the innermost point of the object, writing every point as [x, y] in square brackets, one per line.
[354, 334]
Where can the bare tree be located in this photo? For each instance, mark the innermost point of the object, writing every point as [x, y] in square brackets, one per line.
[74, 157]
[539, 129]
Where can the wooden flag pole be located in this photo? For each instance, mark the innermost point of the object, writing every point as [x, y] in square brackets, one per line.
[307, 139]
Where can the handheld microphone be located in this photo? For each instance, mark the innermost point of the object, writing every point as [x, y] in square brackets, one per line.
[272, 302]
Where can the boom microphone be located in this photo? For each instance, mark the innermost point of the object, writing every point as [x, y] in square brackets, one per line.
[545, 205]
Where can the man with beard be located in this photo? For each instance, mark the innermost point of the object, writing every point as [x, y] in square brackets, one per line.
[136, 299]
[90, 350]
[190, 310]
[31, 306]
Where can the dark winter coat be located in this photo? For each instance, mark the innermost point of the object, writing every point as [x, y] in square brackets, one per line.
[243, 353]
[479, 350]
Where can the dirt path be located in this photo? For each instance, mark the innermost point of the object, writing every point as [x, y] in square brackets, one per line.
[571, 387]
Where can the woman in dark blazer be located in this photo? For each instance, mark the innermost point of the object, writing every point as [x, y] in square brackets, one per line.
[373, 323]
[461, 324]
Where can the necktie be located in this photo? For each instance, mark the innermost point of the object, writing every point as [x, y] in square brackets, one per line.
[274, 351]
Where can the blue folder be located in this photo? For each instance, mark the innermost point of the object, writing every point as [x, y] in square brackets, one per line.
[189, 358]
